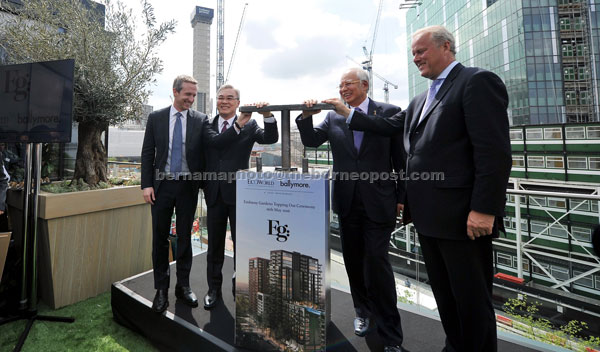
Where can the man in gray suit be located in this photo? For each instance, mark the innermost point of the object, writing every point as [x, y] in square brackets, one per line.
[457, 129]
[367, 208]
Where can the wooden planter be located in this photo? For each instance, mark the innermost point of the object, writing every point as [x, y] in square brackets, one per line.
[88, 240]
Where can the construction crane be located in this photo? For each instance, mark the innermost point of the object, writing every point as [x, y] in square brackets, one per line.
[386, 83]
[236, 41]
[220, 44]
[368, 63]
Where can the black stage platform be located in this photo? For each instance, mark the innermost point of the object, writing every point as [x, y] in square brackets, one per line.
[183, 328]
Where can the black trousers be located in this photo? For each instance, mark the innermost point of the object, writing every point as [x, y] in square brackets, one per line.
[365, 246]
[183, 197]
[216, 223]
[461, 277]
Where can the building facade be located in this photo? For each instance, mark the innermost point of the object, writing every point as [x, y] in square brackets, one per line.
[547, 52]
[201, 20]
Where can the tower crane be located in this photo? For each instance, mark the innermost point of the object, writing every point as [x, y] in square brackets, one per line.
[368, 63]
[386, 83]
[236, 41]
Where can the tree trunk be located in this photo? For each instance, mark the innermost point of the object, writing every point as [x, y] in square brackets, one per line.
[91, 159]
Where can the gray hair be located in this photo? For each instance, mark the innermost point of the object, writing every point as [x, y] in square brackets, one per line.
[439, 35]
[360, 73]
[229, 86]
[179, 80]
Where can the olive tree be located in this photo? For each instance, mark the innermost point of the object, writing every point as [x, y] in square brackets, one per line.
[114, 62]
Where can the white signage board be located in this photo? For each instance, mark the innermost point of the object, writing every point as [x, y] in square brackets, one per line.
[282, 260]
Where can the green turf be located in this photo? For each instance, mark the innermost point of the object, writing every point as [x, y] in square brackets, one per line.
[93, 330]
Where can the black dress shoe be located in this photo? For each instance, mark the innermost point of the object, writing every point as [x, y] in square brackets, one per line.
[185, 294]
[161, 301]
[394, 349]
[211, 298]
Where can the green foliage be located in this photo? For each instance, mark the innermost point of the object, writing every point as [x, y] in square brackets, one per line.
[115, 61]
[80, 185]
[406, 297]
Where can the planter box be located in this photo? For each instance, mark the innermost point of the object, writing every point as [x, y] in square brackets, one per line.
[88, 240]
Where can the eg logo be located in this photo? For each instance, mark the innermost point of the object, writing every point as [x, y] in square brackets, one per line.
[281, 231]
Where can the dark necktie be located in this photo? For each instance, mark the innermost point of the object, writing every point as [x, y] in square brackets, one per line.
[177, 145]
[358, 135]
[224, 128]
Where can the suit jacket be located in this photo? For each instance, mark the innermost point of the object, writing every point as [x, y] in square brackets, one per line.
[380, 155]
[155, 148]
[465, 137]
[3, 184]
[233, 157]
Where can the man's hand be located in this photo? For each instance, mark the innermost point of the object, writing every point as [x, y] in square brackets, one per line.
[149, 195]
[1, 212]
[307, 113]
[479, 224]
[339, 106]
[399, 209]
[262, 104]
[244, 118]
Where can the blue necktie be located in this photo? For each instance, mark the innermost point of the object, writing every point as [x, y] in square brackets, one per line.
[358, 135]
[177, 145]
[430, 97]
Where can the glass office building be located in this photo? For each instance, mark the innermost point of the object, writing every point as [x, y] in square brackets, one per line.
[546, 52]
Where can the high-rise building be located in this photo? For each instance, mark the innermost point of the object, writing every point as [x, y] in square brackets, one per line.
[547, 52]
[258, 282]
[201, 20]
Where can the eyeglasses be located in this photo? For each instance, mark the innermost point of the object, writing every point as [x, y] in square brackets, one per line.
[227, 98]
[347, 84]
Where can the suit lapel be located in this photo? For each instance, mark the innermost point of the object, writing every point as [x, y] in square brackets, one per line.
[419, 108]
[373, 110]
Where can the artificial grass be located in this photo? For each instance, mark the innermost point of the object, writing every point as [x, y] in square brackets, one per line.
[93, 330]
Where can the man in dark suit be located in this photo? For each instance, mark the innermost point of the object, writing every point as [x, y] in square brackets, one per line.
[219, 192]
[367, 208]
[458, 163]
[172, 158]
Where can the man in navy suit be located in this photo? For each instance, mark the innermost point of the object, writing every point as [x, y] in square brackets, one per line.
[456, 138]
[172, 159]
[219, 192]
[367, 208]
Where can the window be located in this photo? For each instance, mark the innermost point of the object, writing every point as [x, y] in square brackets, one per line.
[557, 230]
[567, 50]
[507, 223]
[552, 133]
[539, 227]
[559, 272]
[583, 73]
[577, 23]
[557, 203]
[594, 163]
[577, 162]
[518, 161]
[524, 225]
[525, 264]
[555, 162]
[581, 50]
[597, 281]
[537, 201]
[579, 204]
[569, 73]
[586, 281]
[575, 132]
[504, 259]
[593, 132]
[584, 98]
[581, 233]
[535, 161]
[594, 206]
[538, 270]
[516, 135]
[535, 133]
[570, 98]
[565, 24]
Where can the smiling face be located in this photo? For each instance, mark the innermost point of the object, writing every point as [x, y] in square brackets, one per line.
[430, 57]
[227, 103]
[184, 99]
[352, 89]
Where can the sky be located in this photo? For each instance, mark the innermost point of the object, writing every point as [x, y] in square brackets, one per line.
[288, 51]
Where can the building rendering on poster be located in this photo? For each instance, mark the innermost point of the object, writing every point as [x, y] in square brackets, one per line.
[282, 260]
